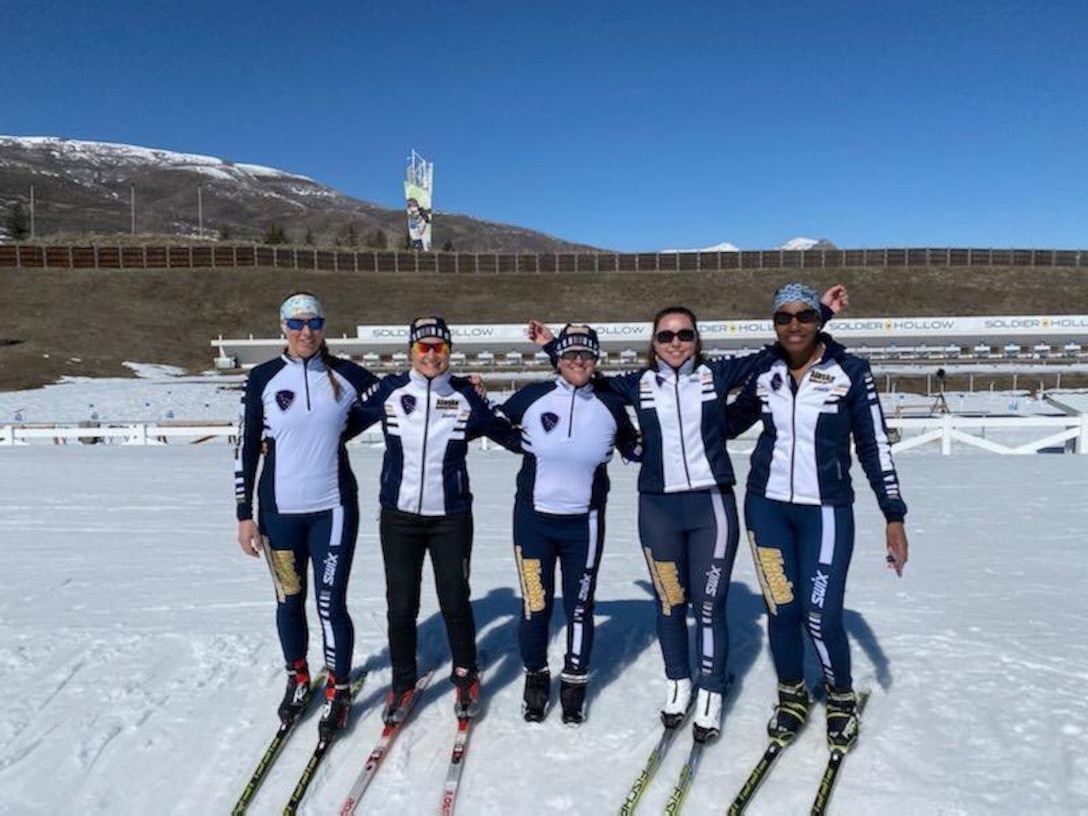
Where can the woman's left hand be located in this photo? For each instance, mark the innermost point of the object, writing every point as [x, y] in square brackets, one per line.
[478, 385]
[836, 298]
[898, 549]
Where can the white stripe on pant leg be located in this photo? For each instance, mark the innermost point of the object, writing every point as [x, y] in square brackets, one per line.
[577, 631]
[827, 534]
[336, 533]
[721, 542]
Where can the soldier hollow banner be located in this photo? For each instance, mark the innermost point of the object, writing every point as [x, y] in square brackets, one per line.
[417, 194]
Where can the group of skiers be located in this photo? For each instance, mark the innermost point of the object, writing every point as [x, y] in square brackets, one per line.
[300, 409]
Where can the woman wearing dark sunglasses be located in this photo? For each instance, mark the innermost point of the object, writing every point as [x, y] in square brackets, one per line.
[688, 522]
[294, 416]
[428, 417]
[812, 397]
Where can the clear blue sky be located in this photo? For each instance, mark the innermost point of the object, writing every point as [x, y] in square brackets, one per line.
[633, 126]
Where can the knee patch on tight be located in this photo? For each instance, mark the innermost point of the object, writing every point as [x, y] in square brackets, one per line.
[532, 585]
[777, 588]
[284, 573]
[667, 584]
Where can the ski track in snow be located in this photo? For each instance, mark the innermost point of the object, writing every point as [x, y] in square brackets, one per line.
[138, 651]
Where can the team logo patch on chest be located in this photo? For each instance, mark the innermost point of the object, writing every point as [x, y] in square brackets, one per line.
[549, 421]
[284, 399]
[776, 381]
[408, 403]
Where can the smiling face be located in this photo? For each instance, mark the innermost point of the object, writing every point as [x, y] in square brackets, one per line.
[577, 366]
[675, 338]
[797, 326]
[431, 357]
[305, 341]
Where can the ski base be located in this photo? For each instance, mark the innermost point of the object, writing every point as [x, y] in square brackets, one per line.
[379, 752]
[457, 759]
[272, 752]
[834, 765]
[316, 759]
[756, 777]
[653, 762]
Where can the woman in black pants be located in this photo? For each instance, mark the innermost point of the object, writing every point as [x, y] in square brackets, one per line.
[428, 417]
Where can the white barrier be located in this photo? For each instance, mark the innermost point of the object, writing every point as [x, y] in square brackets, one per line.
[1068, 433]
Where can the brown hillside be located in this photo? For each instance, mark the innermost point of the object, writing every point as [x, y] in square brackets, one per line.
[83, 322]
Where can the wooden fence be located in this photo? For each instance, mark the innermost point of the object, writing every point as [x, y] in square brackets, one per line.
[235, 256]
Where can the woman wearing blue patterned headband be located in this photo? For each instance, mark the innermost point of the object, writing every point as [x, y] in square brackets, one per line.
[294, 416]
[687, 512]
[812, 397]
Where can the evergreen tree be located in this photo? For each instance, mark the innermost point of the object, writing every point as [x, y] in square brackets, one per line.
[275, 234]
[18, 226]
[353, 237]
[377, 239]
[225, 232]
[447, 246]
[309, 239]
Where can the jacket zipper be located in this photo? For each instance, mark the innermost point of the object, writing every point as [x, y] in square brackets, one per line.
[570, 420]
[306, 380]
[794, 388]
[680, 424]
[423, 462]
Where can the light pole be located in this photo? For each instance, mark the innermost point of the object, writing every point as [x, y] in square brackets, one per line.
[32, 231]
[132, 204]
[200, 207]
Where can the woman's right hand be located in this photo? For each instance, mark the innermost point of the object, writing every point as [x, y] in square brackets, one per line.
[249, 538]
[539, 332]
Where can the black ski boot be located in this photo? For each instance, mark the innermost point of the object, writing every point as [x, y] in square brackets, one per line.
[538, 689]
[842, 719]
[790, 713]
[572, 697]
[334, 716]
[298, 693]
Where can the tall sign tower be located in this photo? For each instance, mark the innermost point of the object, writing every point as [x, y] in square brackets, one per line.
[418, 187]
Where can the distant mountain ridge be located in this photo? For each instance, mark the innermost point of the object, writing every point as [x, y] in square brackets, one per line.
[798, 243]
[86, 187]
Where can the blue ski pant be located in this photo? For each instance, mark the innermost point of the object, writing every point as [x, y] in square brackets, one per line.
[690, 542]
[325, 539]
[576, 542]
[802, 556]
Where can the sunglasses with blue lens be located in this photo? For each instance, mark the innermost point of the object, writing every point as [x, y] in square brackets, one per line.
[297, 323]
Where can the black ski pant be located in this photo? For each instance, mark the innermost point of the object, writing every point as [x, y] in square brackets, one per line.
[406, 539]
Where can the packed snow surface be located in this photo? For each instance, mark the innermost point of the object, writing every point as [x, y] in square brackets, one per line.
[141, 668]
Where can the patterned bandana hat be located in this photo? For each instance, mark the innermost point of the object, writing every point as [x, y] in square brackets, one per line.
[795, 292]
[299, 304]
[424, 327]
[578, 337]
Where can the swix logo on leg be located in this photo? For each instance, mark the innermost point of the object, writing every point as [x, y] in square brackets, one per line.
[583, 588]
[819, 588]
[330, 568]
[713, 578]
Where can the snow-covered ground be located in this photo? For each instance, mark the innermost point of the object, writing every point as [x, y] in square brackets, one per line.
[141, 669]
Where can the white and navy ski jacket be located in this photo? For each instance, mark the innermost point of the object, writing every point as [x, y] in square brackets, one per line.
[568, 435]
[290, 414]
[803, 453]
[428, 424]
[681, 416]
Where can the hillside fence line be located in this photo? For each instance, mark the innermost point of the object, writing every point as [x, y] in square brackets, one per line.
[241, 256]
